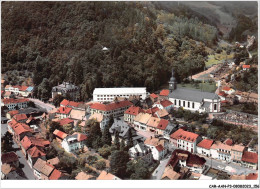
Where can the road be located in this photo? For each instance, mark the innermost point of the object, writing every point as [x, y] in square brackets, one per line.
[27, 170]
[238, 169]
[46, 106]
[158, 172]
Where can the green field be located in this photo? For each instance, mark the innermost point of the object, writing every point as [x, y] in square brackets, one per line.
[207, 87]
[218, 58]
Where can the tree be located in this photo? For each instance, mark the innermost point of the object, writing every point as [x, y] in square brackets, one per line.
[100, 165]
[111, 121]
[31, 104]
[106, 136]
[122, 145]
[130, 142]
[68, 128]
[4, 109]
[7, 142]
[105, 151]
[97, 142]
[57, 100]
[118, 163]
[116, 141]
[94, 132]
[138, 170]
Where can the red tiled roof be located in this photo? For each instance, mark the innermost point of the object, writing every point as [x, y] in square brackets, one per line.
[252, 176]
[73, 104]
[13, 112]
[55, 175]
[250, 157]
[64, 102]
[19, 117]
[226, 88]
[176, 133]
[164, 92]
[64, 110]
[133, 110]
[81, 136]
[152, 110]
[9, 157]
[163, 124]
[222, 93]
[228, 142]
[65, 121]
[224, 101]
[246, 66]
[159, 147]
[35, 152]
[12, 123]
[111, 106]
[14, 101]
[26, 142]
[188, 136]
[206, 143]
[195, 160]
[153, 95]
[20, 128]
[60, 134]
[22, 88]
[166, 103]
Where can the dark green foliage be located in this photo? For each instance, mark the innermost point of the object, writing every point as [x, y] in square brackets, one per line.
[51, 153]
[7, 142]
[190, 116]
[105, 151]
[111, 121]
[106, 136]
[91, 160]
[100, 165]
[130, 142]
[118, 163]
[94, 136]
[122, 145]
[57, 100]
[138, 170]
[4, 110]
[31, 104]
[67, 163]
[250, 108]
[97, 142]
[52, 127]
[116, 142]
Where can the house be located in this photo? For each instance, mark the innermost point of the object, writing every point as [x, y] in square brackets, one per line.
[224, 152]
[250, 176]
[53, 161]
[77, 114]
[10, 158]
[83, 176]
[64, 103]
[6, 169]
[20, 118]
[164, 94]
[140, 121]
[162, 114]
[9, 94]
[170, 174]
[222, 95]
[151, 111]
[152, 124]
[57, 175]
[161, 127]
[228, 141]
[72, 104]
[185, 140]
[109, 94]
[157, 146]
[237, 152]
[65, 121]
[63, 112]
[12, 103]
[183, 158]
[59, 135]
[147, 103]
[228, 90]
[123, 129]
[115, 109]
[169, 130]
[246, 67]
[204, 146]
[42, 170]
[74, 142]
[164, 104]
[131, 113]
[141, 151]
[101, 119]
[21, 130]
[193, 100]
[66, 89]
[10, 114]
[250, 160]
[154, 97]
[214, 150]
[104, 175]
[35, 153]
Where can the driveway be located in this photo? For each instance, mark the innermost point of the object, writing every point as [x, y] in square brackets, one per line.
[3, 129]
[46, 106]
[158, 172]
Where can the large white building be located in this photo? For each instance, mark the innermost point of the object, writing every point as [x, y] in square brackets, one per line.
[74, 142]
[193, 100]
[109, 94]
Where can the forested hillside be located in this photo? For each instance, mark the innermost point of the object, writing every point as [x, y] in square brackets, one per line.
[63, 41]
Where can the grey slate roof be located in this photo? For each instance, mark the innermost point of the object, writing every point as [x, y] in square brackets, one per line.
[206, 105]
[192, 95]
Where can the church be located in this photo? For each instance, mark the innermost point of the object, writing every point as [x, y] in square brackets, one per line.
[193, 100]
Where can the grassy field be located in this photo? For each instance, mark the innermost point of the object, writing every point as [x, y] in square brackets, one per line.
[207, 87]
[218, 58]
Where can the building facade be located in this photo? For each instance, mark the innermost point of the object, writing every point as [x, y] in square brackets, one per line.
[66, 89]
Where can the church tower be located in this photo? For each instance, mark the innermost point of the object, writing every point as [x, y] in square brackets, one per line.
[172, 82]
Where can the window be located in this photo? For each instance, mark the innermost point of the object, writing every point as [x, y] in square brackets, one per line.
[188, 104]
[175, 103]
[193, 105]
[183, 103]
[179, 103]
[215, 106]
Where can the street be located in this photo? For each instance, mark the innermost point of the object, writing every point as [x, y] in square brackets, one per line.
[158, 172]
[27, 170]
[216, 164]
[46, 106]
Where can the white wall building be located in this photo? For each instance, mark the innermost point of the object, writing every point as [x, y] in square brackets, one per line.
[109, 94]
[188, 141]
[74, 142]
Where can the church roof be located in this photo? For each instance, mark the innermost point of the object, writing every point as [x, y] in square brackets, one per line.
[192, 95]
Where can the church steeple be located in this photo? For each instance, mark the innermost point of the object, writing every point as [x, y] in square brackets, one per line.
[172, 82]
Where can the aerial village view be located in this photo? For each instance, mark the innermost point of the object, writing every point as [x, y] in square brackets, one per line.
[129, 90]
